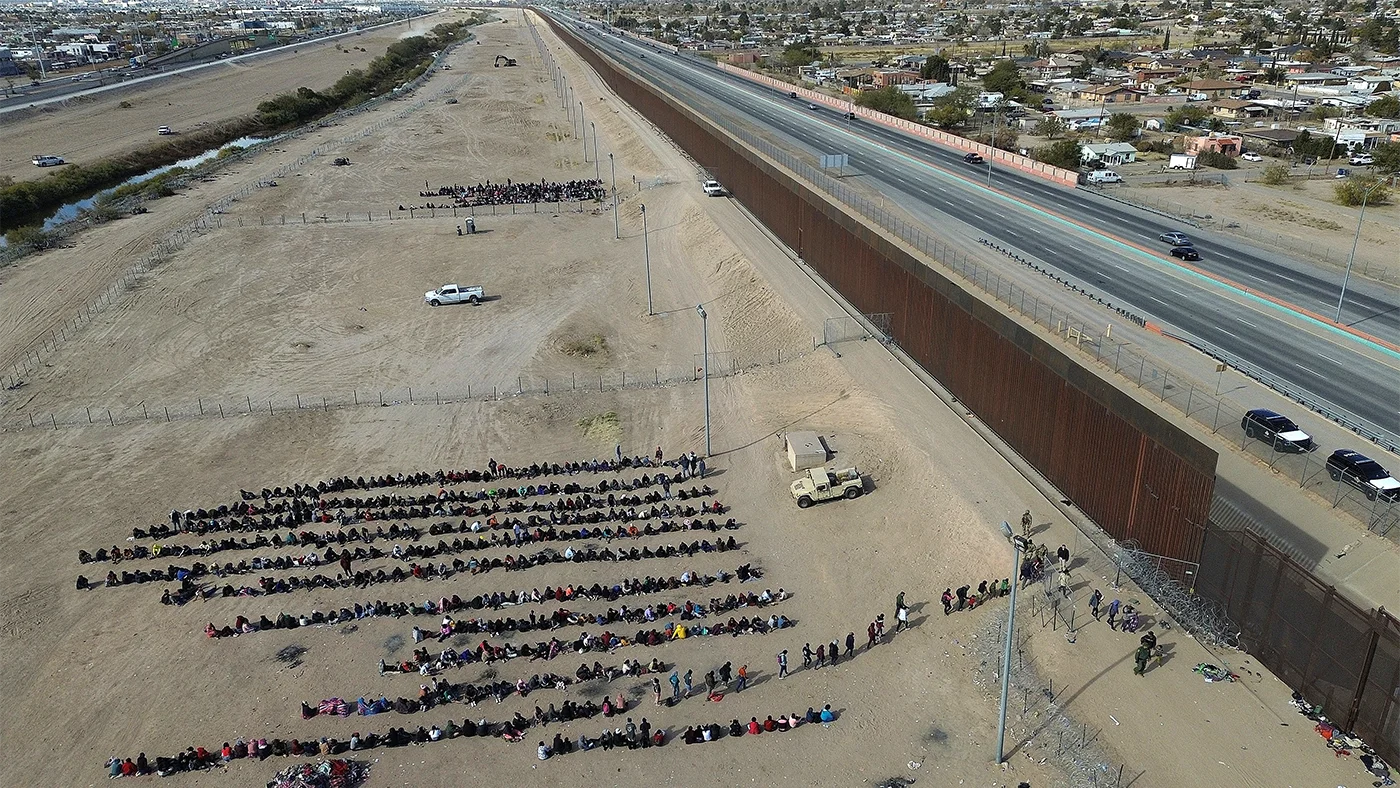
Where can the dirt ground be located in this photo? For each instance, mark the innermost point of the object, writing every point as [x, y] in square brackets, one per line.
[280, 309]
[93, 128]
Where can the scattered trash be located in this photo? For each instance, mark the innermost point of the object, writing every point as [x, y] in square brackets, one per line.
[1213, 674]
[335, 773]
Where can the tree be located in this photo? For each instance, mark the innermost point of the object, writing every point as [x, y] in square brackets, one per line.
[1387, 156]
[1122, 126]
[936, 68]
[1167, 39]
[1385, 107]
[951, 110]
[1352, 191]
[1188, 115]
[744, 19]
[1064, 153]
[801, 53]
[1216, 159]
[1050, 127]
[889, 100]
[1004, 78]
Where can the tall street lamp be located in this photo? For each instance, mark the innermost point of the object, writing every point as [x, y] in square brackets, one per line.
[1351, 258]
[993, 151]
[597, 176]
[617, 228]
[705, 366]
[583, 133]
[646, 251]
[1020, 544]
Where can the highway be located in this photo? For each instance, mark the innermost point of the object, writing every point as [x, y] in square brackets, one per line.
[1111, 247]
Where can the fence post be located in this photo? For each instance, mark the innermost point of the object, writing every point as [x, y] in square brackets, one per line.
[410, 393]
[89, 414]
[167, 414]
[55, 421]
[249, 398]
[111, 420]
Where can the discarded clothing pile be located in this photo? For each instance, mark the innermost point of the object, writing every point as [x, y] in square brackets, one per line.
[1342, 743]
[337, 773]
[1213, 673]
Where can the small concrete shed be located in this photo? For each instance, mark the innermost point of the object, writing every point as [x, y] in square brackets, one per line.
[805, 450]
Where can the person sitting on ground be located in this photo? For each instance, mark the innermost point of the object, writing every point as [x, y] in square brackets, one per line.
[827, 715]
[754, 727]
[735, 729]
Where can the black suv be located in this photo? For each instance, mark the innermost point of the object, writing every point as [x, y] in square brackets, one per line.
[1363, 473]
[1277, 430]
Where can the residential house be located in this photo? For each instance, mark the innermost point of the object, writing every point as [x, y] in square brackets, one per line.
[1145, 77]
[1111, 94]
[1279, 138]
[1112, 153]
[1237, 109]
[888, 77]
[1212, 88]
[1315, 79]
[1229, 144]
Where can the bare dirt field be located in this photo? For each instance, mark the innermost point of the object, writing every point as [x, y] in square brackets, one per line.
[95, 127]
[267, 310]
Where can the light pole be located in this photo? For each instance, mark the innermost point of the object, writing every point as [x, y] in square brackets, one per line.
[597, 176]
[617, 228]
[646, 252]
[582, 132]
[994, 146]
[1020, 543]
[705, 366]
[1351, 258]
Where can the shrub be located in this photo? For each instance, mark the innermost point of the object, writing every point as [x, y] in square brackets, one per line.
[30, 237]
[1275, 175]
[1353, 191]
[1064, 153]
[1216, 159]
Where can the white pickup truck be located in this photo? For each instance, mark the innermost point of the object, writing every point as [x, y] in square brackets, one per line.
[453, 294]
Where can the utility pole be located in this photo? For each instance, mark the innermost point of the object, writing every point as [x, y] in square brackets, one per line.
[1019, 542]
[705, 366]
[596, 175]
[582, 132]
[617, 228]
[646, 251]
[1351, 258]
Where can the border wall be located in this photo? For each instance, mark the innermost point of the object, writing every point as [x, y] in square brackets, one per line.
[1135, 474]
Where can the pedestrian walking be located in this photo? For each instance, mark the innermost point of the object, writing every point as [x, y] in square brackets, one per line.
[850, 643]
[1095, 599]
[880, 627]
[782, 664]
[618, 449]
[656, 689]
[870, 635]
[1005, 586]
[962, 596]
[832, 651]
[658, 455]
[899, 601]
[901, 619]
[806, 655]
[1063, 555]
[1141, 656]
[666, 486]
[1113, 614]
[701, 464]
[675, 686]
[1026, 524]
[821, 656]
[743, 678]
[725, 672]
[710, 683]
[1064, 582]
[947, 600]
[689, 674]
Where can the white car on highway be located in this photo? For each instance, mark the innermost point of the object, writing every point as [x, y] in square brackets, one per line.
[453, 294]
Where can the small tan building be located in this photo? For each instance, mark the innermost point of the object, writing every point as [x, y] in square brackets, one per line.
[805, 450]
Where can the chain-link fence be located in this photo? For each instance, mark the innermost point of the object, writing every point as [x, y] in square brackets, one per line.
[723, 364]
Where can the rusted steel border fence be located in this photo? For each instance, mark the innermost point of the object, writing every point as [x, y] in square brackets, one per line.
[1135, 474]
[1334, 653]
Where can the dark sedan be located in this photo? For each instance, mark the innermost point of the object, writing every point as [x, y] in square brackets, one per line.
[1186, 252]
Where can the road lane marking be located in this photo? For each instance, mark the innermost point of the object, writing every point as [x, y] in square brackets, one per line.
[1329, 358]
[1246, 322]
[1305, 369]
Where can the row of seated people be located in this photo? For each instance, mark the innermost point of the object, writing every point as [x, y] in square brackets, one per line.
[496, 600]
[269, 585]
[200, 758]
[698, 734]
[279, 500]
[416, 570]
[442, 692]
[532, 529]
[584, 508]
[446, 606]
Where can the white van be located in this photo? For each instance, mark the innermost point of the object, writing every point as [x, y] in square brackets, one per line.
[1105, 176]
